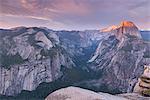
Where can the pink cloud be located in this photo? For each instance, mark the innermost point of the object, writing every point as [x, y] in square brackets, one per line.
[79, 13]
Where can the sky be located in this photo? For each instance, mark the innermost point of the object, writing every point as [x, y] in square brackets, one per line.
[73, 14]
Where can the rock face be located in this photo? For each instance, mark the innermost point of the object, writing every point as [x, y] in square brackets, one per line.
[121, 56]
[44, 41]
[143, 84]
[29, 56]
[127, 27]
[75, 93]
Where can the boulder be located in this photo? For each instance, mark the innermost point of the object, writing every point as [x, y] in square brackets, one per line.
[76, 93]
[143, 84]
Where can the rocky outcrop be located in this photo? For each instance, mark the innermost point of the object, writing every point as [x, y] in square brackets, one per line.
[76, 93]
[143, 84]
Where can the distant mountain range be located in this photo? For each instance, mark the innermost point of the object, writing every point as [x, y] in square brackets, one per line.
[36, 59]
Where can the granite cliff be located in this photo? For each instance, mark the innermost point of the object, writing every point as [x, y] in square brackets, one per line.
[30, 56]
[34, 59]
[119, 60]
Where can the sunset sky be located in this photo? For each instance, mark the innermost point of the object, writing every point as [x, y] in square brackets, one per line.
[73, 14]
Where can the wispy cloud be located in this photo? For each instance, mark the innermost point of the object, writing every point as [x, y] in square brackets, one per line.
[74, 14]
[7, 21]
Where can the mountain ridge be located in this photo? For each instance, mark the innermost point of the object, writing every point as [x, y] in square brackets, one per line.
[64, 59]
